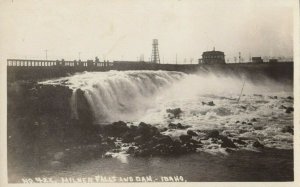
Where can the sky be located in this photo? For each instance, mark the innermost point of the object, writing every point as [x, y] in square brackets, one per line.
[124, 29]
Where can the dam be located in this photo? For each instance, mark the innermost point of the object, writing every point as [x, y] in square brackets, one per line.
[24, 69]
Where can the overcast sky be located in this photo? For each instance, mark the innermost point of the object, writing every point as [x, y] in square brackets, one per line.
[124, 29]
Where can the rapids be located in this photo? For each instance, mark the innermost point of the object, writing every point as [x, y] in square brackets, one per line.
[135, 96]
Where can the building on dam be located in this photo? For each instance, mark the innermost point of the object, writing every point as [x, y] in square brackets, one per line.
[257, 60]
[212, 57]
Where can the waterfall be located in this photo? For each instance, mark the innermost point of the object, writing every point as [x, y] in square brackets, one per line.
[118, 95]
[131, 95]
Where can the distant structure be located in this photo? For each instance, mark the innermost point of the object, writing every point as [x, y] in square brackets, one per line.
[155, 53]
[257, 60]
[58, 63]
[212, 57]
[273, 60]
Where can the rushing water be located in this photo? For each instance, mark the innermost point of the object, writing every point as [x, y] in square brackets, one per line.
[120, 95]
[136, 96]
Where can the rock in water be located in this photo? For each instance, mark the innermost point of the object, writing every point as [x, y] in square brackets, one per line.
[226, 142]
[282, 107]
[130, 150]
[257, 144]
[289, 110]
[139, 139]
[191, 133]
[147, 130]
[288, 129]
[210, 103]
[178, 126]
[176, 112]
[258, 127]
[185, 138]
[213, 134]
[116, 129]
[128, 137]
[239, 141]
[164, 139]
[108, 155]
[254, 120]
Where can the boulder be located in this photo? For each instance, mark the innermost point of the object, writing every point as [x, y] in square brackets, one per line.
[176, 112]
[258, 127]
[244, 107]
[282, 107]
[143, 152]
[139, 139]
[189, 147]
[107, 155]
[210, 103]
[130, 150]
[164, 139]
[213, 134]
[254, 120]
[185, 138]
[178, 126]
[228, 150]
[289, 110]
[226, 142]
[128, 137]
[288, 129]
[116, 129]
[273, 97]
[191, 133]
[239, 141]
[147, 130]
[257, 144]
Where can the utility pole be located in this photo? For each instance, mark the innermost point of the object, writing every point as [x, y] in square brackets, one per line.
[176, 58]
[79, 55]
[46, 54]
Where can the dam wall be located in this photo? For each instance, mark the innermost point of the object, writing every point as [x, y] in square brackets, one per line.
[277, 71]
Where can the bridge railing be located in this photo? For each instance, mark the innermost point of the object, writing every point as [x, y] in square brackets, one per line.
[50, 63]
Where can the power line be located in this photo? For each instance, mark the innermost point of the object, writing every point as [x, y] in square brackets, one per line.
[46, 54]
